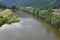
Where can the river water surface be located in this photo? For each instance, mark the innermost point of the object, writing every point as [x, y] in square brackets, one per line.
[29, 28]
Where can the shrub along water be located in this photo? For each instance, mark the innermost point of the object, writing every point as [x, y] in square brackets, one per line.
[2, 20]
[11, 18]
[7, 16]
[47, 14]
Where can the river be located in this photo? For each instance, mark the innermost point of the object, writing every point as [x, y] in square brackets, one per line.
[29, 28]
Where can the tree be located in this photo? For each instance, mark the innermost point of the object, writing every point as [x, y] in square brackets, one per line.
[2, 6]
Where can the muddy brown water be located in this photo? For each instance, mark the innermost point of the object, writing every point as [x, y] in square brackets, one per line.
[29, 28]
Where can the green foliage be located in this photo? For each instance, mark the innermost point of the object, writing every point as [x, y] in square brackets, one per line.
[2, 20]
[12, 18]
[32, 10]
[1, 10]
[36, 12]
[9, 19]
[2, 6]
[55, 20]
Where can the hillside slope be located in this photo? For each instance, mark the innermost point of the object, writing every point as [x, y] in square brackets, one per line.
[34, 3]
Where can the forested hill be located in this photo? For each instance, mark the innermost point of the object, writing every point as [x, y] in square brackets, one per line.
[34, 3]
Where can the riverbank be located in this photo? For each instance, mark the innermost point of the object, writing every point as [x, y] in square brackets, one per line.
[7, 16]
[46, 14]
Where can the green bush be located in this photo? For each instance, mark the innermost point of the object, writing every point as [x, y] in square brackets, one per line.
[36, 12]
[2, 6]
[32, 10]
[42, 13]
[55, 20]
[12, 18]
[2, 20]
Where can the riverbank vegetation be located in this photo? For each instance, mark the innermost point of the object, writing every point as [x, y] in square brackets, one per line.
[46, 14]
[7, 15]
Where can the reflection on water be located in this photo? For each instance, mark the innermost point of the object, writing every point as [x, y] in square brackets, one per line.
[28, 28]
